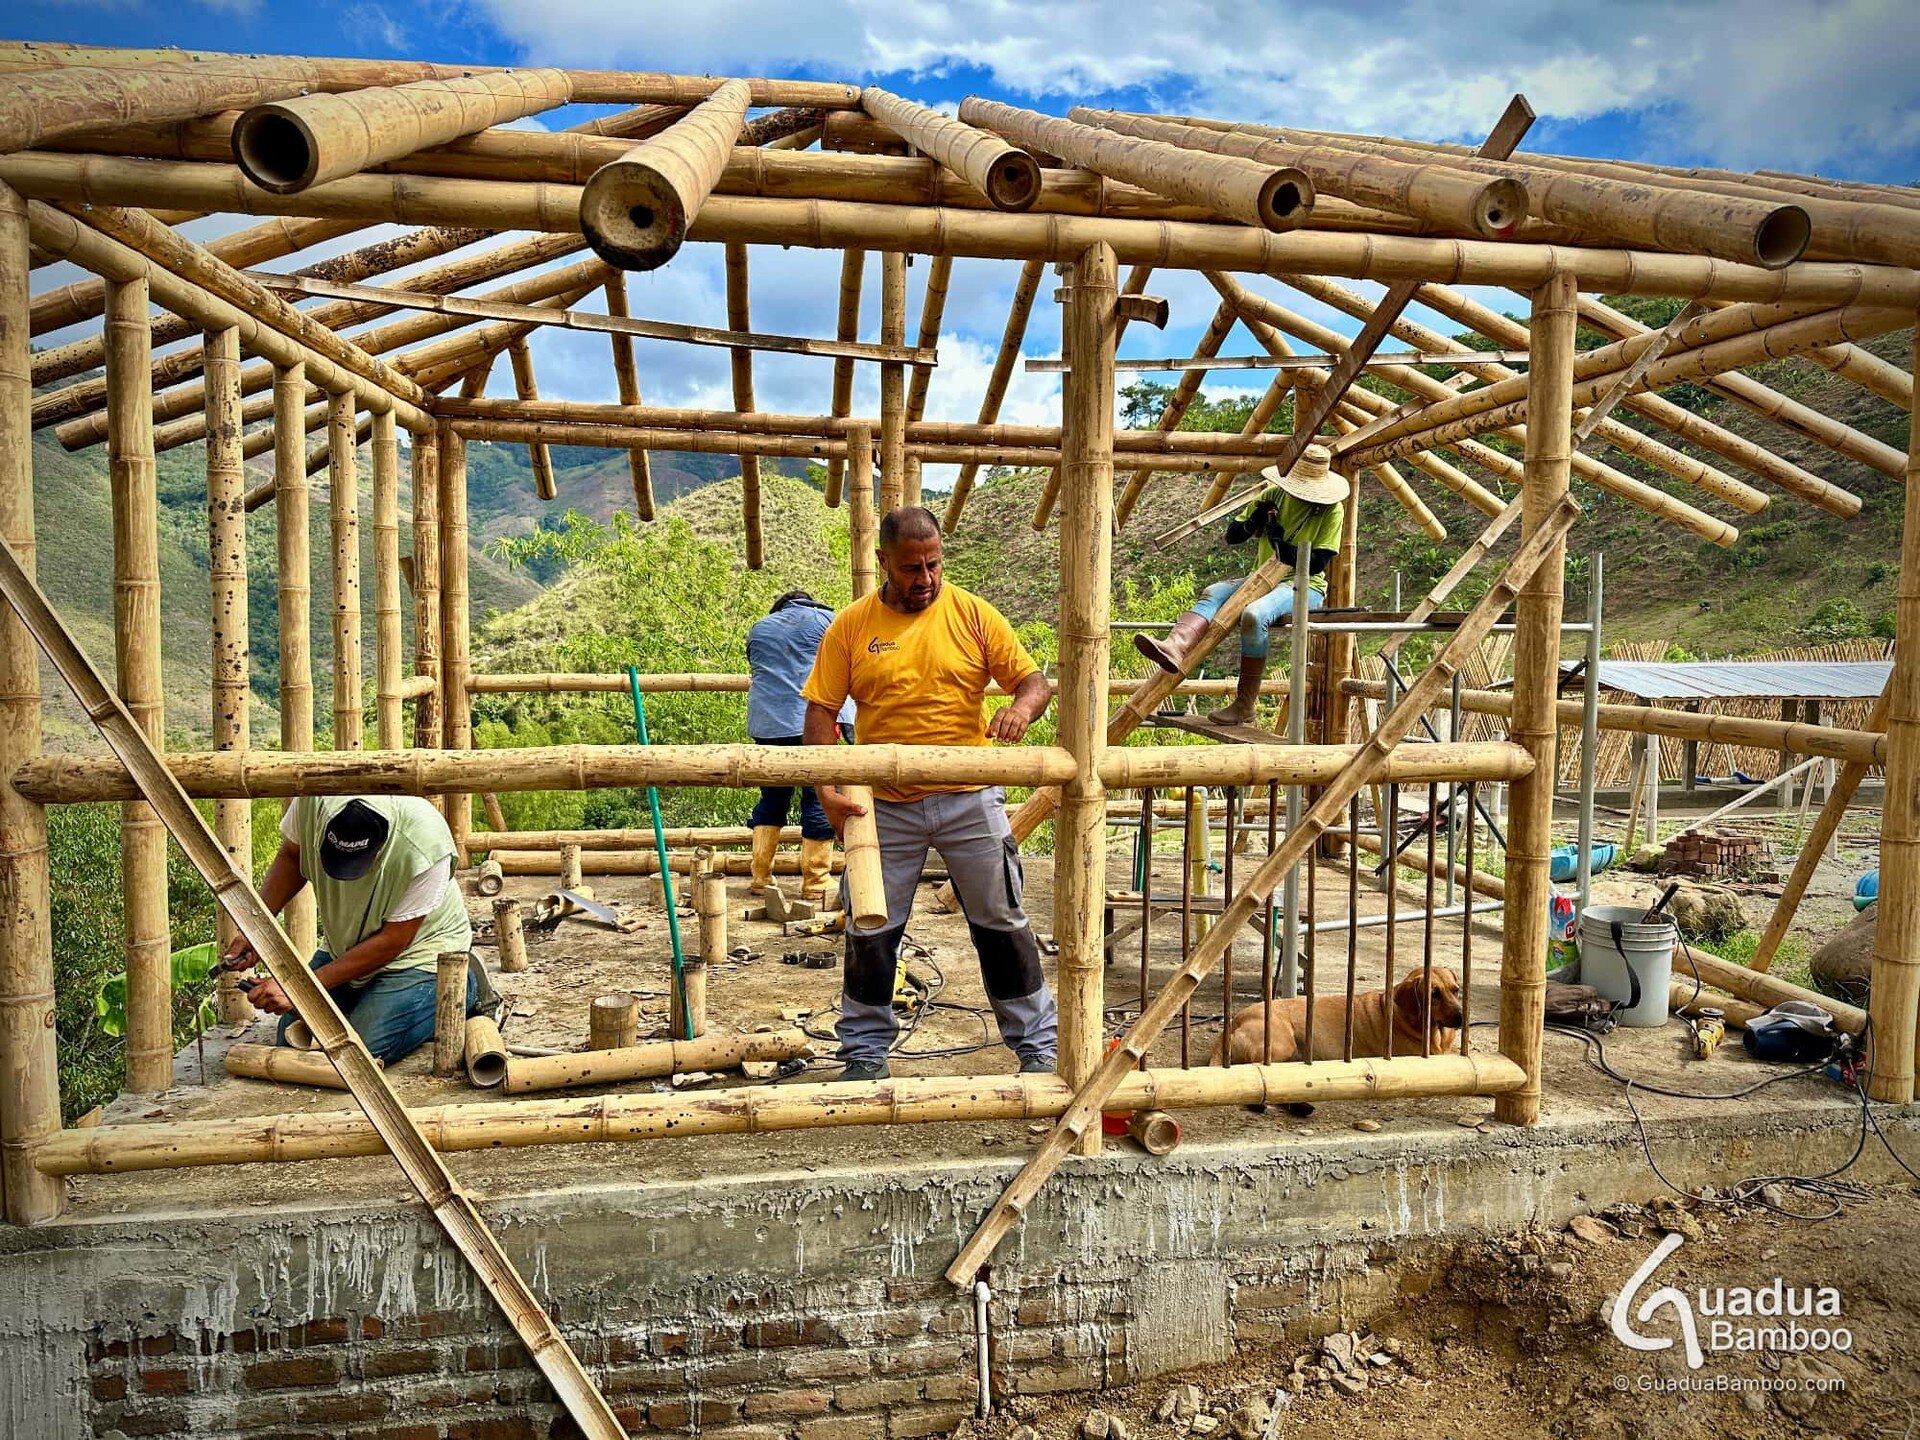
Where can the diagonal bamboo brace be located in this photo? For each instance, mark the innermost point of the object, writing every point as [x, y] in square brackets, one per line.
[1327, 811]
[422, 1165]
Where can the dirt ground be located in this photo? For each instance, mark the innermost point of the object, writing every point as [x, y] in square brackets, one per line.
[1510, 1338]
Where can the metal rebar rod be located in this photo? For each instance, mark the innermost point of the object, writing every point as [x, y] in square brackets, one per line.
[1226, 889]
[1466, 935]
[1374, 922]
[1146, 895]
[1353, 931]
[1266, 946]
[1186, 926]
[1590, 727]
[1453, 791]
[1296, 734]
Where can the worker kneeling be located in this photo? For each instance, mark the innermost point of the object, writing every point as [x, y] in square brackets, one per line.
[381, 868]
[916, 657]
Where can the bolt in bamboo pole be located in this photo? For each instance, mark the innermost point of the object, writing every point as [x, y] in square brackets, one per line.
[1009, 178]
[29, 1069]
[740, 362]
[862, 526]
[636, 212]
[387, 634]
[860, 852]
[1535, 725]
[456, 712]
[893, 382]
[1895, 996]
[343, 509]
[853, 264]
[527, 388]
[511, 933]
[613, 1022]
[449, 1012]
[426, 586]
[626, 378]
[293, 540]
[136, 633]
[288, 145]
[1086, 583]
[1025, 288]
[227, 569]
[1271, 197]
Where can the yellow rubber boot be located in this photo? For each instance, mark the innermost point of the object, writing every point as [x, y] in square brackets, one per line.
[816, 869]
[766, 840]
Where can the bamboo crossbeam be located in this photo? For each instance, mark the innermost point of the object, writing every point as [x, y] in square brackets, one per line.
[682, 837]
[626, 376]
[651, 1061]
[1492, 207]
[1271, 197]
[1792, 737]
[1327, 810]
[289, 145]
[837, 225]
[627, 862]
[636, 211]
[1008, 177]
[386, 1119]
[606, 1119]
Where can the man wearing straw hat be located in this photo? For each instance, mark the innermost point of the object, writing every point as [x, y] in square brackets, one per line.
[916, 656]
[1300, 507]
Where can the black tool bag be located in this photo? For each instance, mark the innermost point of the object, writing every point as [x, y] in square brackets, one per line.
[1580, 1006]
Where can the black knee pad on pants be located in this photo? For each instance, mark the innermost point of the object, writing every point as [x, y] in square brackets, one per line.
[870, 965]
[1009, 961]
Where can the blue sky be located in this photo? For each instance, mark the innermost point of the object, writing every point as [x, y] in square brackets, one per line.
[1829, 88]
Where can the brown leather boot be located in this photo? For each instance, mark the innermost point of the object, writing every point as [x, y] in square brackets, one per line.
[766, 840]
[1246, 693]
[816, 869]
[1171, 652]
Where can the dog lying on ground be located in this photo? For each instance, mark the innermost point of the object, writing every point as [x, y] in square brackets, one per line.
[1416, 1006]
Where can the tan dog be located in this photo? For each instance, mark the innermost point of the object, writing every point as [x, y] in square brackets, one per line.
[1411, 1008]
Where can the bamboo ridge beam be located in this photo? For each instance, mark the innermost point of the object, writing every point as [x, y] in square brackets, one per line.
[636, 212]
[612, 1119]
[288, 145]
[1008, 177]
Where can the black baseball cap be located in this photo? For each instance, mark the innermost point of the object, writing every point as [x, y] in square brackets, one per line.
[352, 840]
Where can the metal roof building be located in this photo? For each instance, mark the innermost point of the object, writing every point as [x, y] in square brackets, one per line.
[1744, 679]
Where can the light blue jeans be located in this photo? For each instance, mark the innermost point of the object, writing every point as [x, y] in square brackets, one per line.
[393, 1011]
[1261, 616]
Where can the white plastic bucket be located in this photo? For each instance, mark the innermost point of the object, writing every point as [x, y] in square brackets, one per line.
[1641, 951]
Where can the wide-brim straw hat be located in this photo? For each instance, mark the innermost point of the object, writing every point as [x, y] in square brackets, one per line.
[1311, 479]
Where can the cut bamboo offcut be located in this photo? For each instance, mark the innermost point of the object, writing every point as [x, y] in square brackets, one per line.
[284, 1065]
[636, 211]
[613, 1022]
[486, 1052]
[449, 1012]
[510, 931]
[860, 847]
[652, 1061]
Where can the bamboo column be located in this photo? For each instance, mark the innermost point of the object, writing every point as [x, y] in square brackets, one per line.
[933, 309]
[29, 1070]
[387, 633]
[861, 523]
[613, 1022]
[853, 265]
[1536, 669]
[227, 567]
[426, 585]
[449, 1012]
[1086, 566]
[1020, 312]
[893, 385]
[1184, 391]
[627, 378]
[1894, 1001]
[511, 933]
[520, 356]
[739, 317]
[292, 532]
[343, 506]
[456, 714]
[136, 634]
[635, 212]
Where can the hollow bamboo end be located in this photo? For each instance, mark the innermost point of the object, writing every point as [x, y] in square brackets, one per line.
[1013, 184]
[1286, 198]
[1501, 207]
[275, 149]
[632, 216]
[1782, 237]
[1154, 1131]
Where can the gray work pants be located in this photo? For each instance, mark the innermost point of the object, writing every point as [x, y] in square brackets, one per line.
[970, 831]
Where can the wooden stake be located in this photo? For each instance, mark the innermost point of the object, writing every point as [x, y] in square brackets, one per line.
[1011, 338]
[636, 212]
[893, 382]
[294, 577]
[627, 379]
[613, 1022]
[853, 264]
[455, 636]
[860, 851]
[511, 934]
[739, 317]
[343, 509]
[527, 388]
[227, 568]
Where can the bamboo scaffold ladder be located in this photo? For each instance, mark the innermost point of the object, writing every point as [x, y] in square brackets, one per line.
[1327, 811]
[425, 1170]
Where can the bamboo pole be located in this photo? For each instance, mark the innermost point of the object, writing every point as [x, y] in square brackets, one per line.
[710, 906]
[118, 1149]
[1268, 196]
[632, 862]
[284, 1066]
[860, 855]
[39, 107]
[343, 510]
[1185, 390]
[136, 633]
[527, 388]
[740, 362]
[627, 380]
[853, 264]
[289, 145]
[564, 682]
[227, 570]
[893, 382]
[1021, 310]
[1008, 177]
[387, 635]
[678, 837]
[636, 212]
[511, 933]
[293, 541]
[456, 712]
[30, 1090]
[1436, 192]
[1086, 582]
[613, 1023]
[426, 587]
[449, 1012]
[1895, 997]
[485, 1053]
[570, 871]
[862, 526]
[653, 1061]
[933, 308]
[687, 1000]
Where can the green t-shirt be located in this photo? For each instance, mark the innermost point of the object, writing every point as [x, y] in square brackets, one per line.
[1320, 526]
[351, 910]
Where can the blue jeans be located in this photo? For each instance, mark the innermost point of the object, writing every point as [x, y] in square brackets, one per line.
[1276, 605]
[776, 802]
[393, 1011]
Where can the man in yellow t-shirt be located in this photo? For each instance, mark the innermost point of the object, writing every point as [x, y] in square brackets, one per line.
[916, 657]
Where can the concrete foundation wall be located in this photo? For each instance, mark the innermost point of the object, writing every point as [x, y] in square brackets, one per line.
[805, 1304]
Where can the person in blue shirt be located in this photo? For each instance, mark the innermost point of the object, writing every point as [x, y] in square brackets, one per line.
[780, 653]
